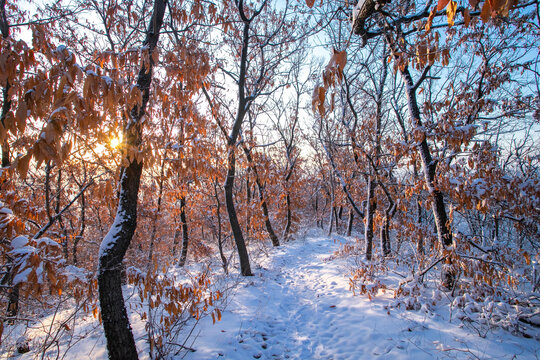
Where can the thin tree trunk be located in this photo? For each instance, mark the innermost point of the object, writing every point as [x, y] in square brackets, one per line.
[120, 342]
[264, 205]
[350, 222]
[185, 238]
[371, 206]
[156, 215]
[289, 217]
[420, 243]
[224, 261]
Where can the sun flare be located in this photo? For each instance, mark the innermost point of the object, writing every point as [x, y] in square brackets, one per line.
[116, 141]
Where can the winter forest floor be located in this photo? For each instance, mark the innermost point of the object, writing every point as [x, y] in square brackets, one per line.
[299, 306]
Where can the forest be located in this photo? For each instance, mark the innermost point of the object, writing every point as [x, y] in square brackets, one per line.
[168, 163]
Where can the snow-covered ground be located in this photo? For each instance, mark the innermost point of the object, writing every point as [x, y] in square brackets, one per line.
[298, 306]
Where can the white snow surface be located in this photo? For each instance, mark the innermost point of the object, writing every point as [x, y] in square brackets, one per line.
[298, 306]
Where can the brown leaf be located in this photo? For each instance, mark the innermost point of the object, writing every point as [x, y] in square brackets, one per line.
[429, 21]
[485, 15]
[310, 3]
[467, 17]
[22, 164]
[442, 4]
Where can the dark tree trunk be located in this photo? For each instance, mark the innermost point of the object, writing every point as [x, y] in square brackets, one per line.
[350, 222]
[264, 205]
[120, 342]
[185, 239]
[6, 104]
[156, 215]
[336, 219]
[420, 244]
[289, 217]
[245, 267]
[385, 229]
[429, 168]
[370, 210]
[331, 221]
[224, 261]
[81, 231]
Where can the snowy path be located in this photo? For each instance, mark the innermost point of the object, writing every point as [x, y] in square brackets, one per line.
[298, 306]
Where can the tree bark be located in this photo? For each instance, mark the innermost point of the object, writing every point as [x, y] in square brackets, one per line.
[264, 205]
[224, 261]
[120, 342]
[429, 165]
[185, 238]
[370, 209]
[350, 222]
[245, 267]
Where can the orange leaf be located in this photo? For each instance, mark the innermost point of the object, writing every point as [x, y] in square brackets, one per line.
[23, 164]
[486, 11]
[442, 4]
[429, 22]
[451, 12]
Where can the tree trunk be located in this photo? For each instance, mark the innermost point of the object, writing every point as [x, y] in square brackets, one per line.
[420, 244]
[185, 239]
[350, 222]
[370, 210]
[264, 205]
[120, 342]
[429, 167]
[245, 267]
[224, 261]
[156, 215]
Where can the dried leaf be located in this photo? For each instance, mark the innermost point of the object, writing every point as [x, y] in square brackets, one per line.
[23, 163]
[485, 15]
[429, 20]
[467, 17]
[442, 4]
[310, 3]
[451, 12]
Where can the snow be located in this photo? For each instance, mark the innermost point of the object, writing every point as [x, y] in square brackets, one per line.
[299, 306]
[19, 242]
[110, 239]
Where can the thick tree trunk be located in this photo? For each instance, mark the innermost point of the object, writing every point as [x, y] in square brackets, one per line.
[120, 342]
[185, 238]
[243, 256]
[370, 210]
